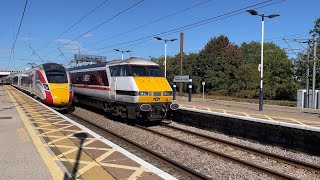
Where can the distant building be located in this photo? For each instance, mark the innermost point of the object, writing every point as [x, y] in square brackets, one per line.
[4, 73]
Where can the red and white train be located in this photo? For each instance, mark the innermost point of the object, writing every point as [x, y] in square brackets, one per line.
[49, 82]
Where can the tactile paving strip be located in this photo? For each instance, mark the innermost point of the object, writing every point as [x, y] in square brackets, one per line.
[77, 149]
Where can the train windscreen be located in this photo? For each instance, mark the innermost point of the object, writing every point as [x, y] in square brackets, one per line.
[57, 77]
[55, 73]
[153, 71]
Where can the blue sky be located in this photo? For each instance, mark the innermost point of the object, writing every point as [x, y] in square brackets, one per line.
[45, 20]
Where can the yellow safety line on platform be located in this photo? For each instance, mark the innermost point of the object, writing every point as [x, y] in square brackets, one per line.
[246, 114]
[23, 135]
[250, 115]
[291, 119]
[269, 117]
[53, 168]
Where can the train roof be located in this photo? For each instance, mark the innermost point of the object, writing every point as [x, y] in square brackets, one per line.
[132, 60]
[45, 66]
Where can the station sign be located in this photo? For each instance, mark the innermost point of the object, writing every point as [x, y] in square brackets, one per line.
[182, 78]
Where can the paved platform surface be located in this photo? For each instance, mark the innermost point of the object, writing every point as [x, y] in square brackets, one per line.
[17, 160]
[59, 147]
[306, 117]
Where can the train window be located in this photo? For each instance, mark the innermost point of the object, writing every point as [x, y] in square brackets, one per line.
[86, 77]
[139, 71]
[124, 71]
[115, 71]
[57, 76]
[103, 77]
[154, 71]
[37, 76]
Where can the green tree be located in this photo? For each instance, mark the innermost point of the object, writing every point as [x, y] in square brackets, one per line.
[219, 62]
[278, 70]
[315, 32]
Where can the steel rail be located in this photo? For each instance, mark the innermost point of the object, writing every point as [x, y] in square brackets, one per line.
[259, 152]
[177, 165]
[252, 166]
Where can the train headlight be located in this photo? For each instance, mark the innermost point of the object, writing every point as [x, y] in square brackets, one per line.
[174, 106]
[46, 87]
[70, 87]
[143, 93]
[167, 93]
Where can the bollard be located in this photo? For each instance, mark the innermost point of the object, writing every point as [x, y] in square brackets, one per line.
[174, 91]
[190, 88]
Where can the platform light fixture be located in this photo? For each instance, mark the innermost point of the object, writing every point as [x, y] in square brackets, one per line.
[122, 51]
[165, 52]
[255, 13]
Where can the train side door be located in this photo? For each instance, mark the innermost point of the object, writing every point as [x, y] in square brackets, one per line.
[114, 71]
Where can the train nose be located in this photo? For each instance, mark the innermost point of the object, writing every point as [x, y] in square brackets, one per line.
[60, 97]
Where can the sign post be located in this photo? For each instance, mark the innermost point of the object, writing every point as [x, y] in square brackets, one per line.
[180, 79]
[190, 89]
[174, 91]
[203, 84]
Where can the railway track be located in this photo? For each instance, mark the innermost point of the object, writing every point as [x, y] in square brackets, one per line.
[190, 173]
[233, 152]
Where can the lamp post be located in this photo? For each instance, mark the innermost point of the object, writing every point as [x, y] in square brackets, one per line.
[165, 52]
[122, 51]
[255, 13]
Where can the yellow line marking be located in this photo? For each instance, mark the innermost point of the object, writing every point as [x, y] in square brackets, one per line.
[119, 166]
[290, 119]
[246, 114]
[137, 173]
[294, 120]
[96, 162]
[75, 148]
[53, 168]
[65, 146]
[268, 117]
[23, 135]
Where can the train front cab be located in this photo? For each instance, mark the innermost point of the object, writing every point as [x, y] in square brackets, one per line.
[150, 94]
[57, 87]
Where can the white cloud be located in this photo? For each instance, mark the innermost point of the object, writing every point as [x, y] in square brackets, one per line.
[69, 41]
[74, 48]
[88, 35]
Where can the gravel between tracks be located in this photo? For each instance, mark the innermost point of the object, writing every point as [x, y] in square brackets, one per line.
[204, 163]
[276, 150]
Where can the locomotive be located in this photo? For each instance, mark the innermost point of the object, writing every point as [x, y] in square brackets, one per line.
[50, 83]
[133, 88]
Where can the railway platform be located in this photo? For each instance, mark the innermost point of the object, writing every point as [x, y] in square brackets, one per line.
[282, 115]
[287, 127]
[40, 143]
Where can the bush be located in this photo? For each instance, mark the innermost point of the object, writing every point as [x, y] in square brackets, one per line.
[221, 92]
[247, 94]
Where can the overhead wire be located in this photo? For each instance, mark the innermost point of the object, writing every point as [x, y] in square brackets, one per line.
[36, 54]
[99, 25]
[192, 25]
[189, 26]
[291, 48]
[21, 20]
[151, 22]
[74, 24]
